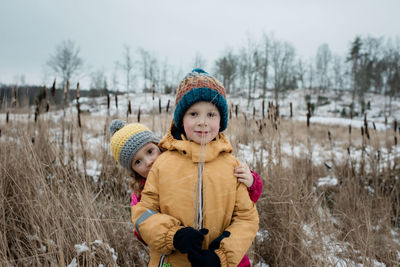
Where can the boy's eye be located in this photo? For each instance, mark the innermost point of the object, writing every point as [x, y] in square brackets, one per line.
[150, 151]
[137, 162]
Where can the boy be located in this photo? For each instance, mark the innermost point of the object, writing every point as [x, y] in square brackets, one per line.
[195, 148]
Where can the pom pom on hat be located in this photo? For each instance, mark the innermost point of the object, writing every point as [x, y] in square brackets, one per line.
[198, 86]
[127, 139]
[116, 125]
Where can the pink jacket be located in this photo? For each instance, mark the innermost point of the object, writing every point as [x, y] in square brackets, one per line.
[254, 193]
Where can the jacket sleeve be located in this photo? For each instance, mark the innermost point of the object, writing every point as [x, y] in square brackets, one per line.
[156, 229]
[256, 189]
[243, 229]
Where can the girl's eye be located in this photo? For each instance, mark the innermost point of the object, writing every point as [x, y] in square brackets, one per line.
[211, 114]
[150, 151]
[137, 162]
[193, 114]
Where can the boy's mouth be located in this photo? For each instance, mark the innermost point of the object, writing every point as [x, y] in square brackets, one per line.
[200, 133]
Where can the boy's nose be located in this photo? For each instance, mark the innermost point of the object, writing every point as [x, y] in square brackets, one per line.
[203, 121]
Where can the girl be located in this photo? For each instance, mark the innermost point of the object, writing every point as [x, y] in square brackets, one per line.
[135, 147]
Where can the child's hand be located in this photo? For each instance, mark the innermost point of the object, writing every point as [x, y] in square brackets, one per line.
[242, 172]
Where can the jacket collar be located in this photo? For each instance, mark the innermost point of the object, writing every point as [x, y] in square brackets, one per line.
[193, 150]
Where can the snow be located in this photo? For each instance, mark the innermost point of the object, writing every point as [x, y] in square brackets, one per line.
[80, 248]
[327, 181]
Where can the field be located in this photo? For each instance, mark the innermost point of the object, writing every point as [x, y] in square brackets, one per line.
[330, 197]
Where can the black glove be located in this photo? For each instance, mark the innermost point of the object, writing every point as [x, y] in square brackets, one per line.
[204, 258]
[208, 257]
[215, 244]
[188, 238]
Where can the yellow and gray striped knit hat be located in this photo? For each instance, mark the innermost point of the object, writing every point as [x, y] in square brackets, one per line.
[127, 139]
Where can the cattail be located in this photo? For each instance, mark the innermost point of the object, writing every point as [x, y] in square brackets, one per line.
[236, 110]
[277, 112]
[230, 113]
[33, 139]
[263, 108]
[47, 106]
[159, 105]
[348, 150]
[7, 116]
[168, 105]
[0, 132]
[349, 128]
[385, 120]
[260, 128]
[138, 115]
[129, 111]
[78, 107]
[291, 109]
[395, 126]
[373, 124]
[395, 140]
[308, 114]
[254, 112]
[153, 91]
[116, 101]
[78, 94]
[329, 136]
[108, 101]
[53, 89]
[362, 131]
[366, 125]
[15, 93]
[37, 111]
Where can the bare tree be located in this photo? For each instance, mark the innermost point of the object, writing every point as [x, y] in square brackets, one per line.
[66, 62]
[323, 60]
[98, 80]
[265, 63]
[199, 61]
[338, 72]
[127, 65]
[301, 72]
[226, 68]
[282, 60]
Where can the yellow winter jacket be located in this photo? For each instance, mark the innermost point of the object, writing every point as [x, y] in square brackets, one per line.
[169, 200]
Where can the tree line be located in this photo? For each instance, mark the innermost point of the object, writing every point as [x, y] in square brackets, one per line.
[371, 64]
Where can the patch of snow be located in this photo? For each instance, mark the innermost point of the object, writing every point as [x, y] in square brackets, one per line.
[80, 248]
[327, 181]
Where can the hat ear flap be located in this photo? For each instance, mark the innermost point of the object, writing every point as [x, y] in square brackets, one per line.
[116, 125]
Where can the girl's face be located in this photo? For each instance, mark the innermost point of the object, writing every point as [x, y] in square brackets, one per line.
[201, 122]
[144, 159]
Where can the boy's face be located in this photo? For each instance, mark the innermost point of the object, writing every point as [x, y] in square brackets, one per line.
[144, 159]
[202, 122]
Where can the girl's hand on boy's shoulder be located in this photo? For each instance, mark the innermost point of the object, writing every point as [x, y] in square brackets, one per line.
[242, 172]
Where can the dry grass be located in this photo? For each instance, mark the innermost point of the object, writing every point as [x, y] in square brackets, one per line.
[49, 203]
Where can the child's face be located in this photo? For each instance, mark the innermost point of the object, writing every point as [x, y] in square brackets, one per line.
[144, 159]
[202, 122]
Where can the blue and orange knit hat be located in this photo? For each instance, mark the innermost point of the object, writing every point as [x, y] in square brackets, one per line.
[198, 86]
[127, 139]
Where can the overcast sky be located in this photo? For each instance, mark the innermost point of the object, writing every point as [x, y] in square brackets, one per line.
[178, 29]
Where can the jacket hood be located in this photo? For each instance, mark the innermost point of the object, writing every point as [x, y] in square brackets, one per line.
[195, 151]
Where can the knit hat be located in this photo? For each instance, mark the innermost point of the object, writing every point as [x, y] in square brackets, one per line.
[127, 139]
[198, 86]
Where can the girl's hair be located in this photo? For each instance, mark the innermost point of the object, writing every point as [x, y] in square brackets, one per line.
[136, 183]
